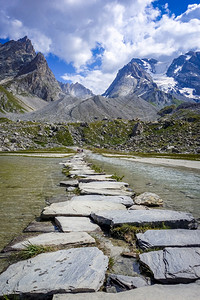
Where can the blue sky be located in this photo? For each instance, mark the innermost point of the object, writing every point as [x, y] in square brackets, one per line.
[88, 41]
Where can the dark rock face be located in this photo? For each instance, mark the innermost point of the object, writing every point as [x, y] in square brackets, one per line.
[76, 90]
[24, 71]
[14, 55]
[132, 79]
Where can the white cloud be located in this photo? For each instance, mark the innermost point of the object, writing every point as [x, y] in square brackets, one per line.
[125, 29]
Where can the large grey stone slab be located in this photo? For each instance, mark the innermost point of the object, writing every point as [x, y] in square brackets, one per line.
[154, 217]
[56, 239]
[68, 224]
[103, 185]
[128, 282]
[169, 238]
[82, 171]
[75, 208]
[125, 200]
[73, 270]
[173, 265]
[91, 178]
[154, 292]
[69, 183]
[111, 192]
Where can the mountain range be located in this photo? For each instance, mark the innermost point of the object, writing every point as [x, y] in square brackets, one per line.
[140, 89]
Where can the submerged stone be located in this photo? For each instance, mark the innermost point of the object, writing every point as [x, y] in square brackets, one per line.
[72, 270]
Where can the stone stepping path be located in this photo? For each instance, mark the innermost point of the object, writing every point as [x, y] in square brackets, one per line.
[174, 219]
[73, 270]
[173, 265]
[74, 224]
[82, 209]
[56, 239]
[168, 238]
[154, 292]
[125, 200]
[83, 269]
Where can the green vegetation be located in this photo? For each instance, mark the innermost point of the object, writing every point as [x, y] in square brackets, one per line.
[66, 171]
[97, 169]
[33, 250]
[9, 103]
[64, 137]
[111, 263]
[117, 178]
[128, 232]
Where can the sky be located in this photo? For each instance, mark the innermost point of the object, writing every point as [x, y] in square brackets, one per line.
[88, 41]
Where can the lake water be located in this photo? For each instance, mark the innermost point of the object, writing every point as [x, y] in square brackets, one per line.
[25, 183]
[178, 187]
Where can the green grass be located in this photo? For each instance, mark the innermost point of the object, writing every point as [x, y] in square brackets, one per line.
[97, 169]
[117, 178]
[33, 250]
[10, 103]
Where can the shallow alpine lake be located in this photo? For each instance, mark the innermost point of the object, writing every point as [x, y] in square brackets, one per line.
[25, 184]
[178, 187]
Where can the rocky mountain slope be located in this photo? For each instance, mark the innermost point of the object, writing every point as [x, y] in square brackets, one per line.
[23, 72]
[76, 90]
[176, 132]
[71, 109]
[180, 77]
[133, 79]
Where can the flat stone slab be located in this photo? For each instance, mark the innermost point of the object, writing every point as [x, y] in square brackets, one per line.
[125, 200]
[103, 185]
[75, 208]
[56, 239]
[72, 270]
[173, 265]
[91, 178]
[69, 183]
[81, 172]
[154, 292]
[169, 238]
[108, 192]
[68, 224]
[173, 219]
[128, 282]
[40, 227]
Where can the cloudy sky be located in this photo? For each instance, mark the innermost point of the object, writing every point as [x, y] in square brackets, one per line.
[90, 40]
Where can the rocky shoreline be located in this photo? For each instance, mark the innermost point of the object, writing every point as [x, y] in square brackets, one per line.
[86, 258]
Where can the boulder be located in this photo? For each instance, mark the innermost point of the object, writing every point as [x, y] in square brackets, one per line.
[56, 239]
[169, 238]
[75, 208]
[72, 270]
[154, 292]
[173, 265]
[125, 200]
[153, 217]
[148, 199]
[68, 224]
